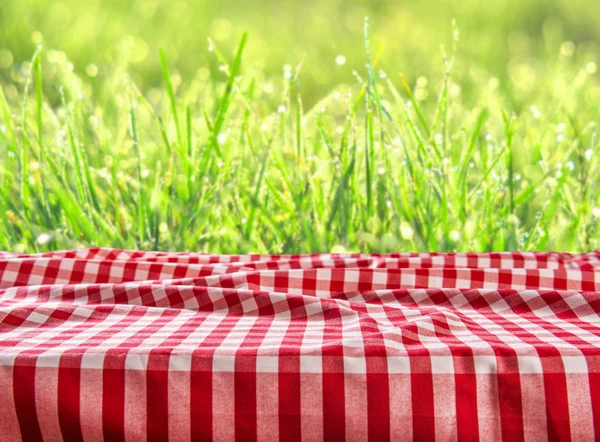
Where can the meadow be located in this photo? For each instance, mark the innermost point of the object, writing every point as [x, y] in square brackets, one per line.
[300, 127]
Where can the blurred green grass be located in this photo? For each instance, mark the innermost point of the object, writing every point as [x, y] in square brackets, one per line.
[501, 154]
[497, 35]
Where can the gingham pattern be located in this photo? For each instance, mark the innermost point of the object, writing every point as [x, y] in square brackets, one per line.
[104, 344]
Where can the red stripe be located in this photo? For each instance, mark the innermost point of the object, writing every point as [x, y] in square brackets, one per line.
[201, 398]
[511, 406]
[113, 401]
[290, 423]
[378, 384]
[595, 397]
[78, 272]
[466, 406]
[334, 391]
[334, 411]
[3, 264]
[378, 406]
[422, 406]
[289, 378]
[51, 272]
[68, 400]
[24, 396]
[24, 273]
[245, 403]
[557, 407]
[157, 402]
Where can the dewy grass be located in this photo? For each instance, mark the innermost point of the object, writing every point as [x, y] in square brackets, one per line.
[213, 164]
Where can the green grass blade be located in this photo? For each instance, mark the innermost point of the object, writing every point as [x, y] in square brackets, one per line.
[226, 99]
[171, 94]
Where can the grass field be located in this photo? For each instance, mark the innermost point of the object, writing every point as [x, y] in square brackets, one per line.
[164, 125]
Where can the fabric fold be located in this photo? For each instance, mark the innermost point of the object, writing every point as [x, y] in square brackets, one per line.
[132, 345]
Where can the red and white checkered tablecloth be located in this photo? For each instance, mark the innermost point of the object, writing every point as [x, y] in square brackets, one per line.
[122, 345]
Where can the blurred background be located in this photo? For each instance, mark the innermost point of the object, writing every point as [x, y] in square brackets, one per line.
[525, 79]
[513, 40]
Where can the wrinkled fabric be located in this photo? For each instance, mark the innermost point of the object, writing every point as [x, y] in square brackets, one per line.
[128, 345]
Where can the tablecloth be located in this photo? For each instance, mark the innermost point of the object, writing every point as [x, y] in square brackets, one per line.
[105, 344]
